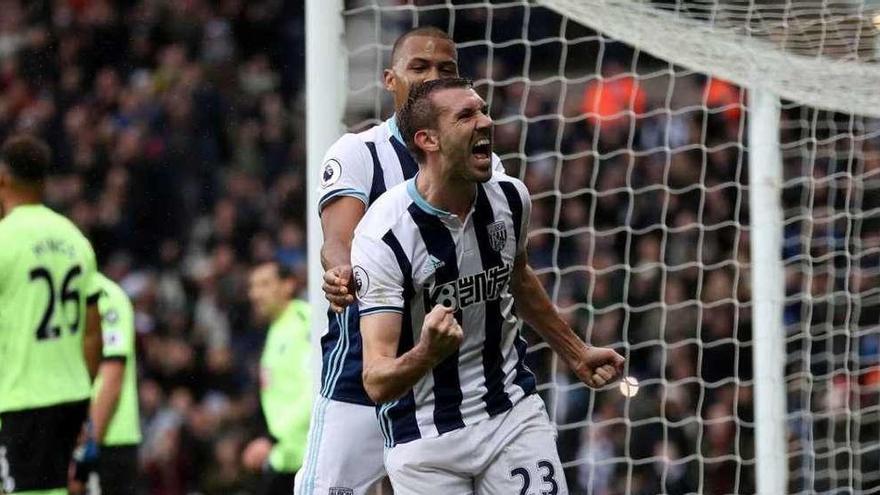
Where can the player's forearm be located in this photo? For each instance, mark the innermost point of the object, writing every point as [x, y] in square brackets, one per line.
[104, 404]
[534, 306]
[338, 221]
[387, 379]
[336, 251]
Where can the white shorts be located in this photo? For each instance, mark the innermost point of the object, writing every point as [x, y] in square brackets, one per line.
[514, 452]
[344, 455]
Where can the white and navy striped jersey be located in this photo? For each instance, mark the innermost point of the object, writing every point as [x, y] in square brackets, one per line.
[409, 256]
[362, 166]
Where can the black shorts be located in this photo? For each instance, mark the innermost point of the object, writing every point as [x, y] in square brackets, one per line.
[276, 483]
[118, 469]
[36, 445]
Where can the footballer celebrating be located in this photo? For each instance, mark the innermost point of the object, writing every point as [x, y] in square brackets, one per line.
[440, 263]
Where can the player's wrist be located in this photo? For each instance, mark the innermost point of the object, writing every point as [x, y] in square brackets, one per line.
[567, 344]
[426, 355]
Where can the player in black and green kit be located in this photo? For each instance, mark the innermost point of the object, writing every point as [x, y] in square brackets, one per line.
[285, 379]
[114, 433]
[50, 329]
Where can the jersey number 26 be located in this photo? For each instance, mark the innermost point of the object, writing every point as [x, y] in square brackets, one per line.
[68, 295]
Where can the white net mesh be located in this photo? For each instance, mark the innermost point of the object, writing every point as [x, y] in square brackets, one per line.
[817, 52]
[637, 168]
[832, 254]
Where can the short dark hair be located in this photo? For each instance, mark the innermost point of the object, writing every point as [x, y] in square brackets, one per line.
[427, 31]
[419, 111]
[27, 157]
[282, 270]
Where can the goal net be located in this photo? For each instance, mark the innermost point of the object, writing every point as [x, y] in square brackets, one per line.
[628, 121]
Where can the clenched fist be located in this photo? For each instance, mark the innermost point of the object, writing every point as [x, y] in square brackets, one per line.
[441, 333]
[338, 287]
[597, 366]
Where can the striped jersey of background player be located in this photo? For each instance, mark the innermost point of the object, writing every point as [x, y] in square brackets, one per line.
[345, 444]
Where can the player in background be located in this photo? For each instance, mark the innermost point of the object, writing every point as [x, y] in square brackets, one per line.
[440, 262]
[345, 445]
[114, 433]
[50, 328]
[285, 378]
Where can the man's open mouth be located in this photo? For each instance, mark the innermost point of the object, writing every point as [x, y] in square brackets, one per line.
[482, 149]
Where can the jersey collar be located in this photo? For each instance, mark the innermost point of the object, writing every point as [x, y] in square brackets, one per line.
[421, 202]
[392, 126]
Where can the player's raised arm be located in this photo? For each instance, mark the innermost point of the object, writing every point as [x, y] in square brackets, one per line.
[595, 366]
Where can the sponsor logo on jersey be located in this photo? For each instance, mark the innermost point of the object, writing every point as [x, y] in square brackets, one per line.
[361, 280]
[338, 490]
[497, 235]
[330, 173]
[485, 286]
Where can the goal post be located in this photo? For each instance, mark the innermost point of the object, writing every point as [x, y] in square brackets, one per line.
[768, 292]
[705, 177]
[325, 105]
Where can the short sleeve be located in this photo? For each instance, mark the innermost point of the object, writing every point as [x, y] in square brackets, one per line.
[377, 276]
[526, 201]
[117, 320]
[347, 170]
[116, 330]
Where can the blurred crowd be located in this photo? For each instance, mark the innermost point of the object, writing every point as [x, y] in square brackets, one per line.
[179, 154]
[177, 130]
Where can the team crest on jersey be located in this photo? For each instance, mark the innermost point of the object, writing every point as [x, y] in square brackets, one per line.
[338, 490]
[111, 316]
[361, 280]
[497, 235]
[330, 173]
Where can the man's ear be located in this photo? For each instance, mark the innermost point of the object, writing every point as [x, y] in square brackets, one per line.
[427, 140]
[389, 79]
[291, 286]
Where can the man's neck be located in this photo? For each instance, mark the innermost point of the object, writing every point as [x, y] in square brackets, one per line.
[279, 311]
[453, 195]
[14, 202]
